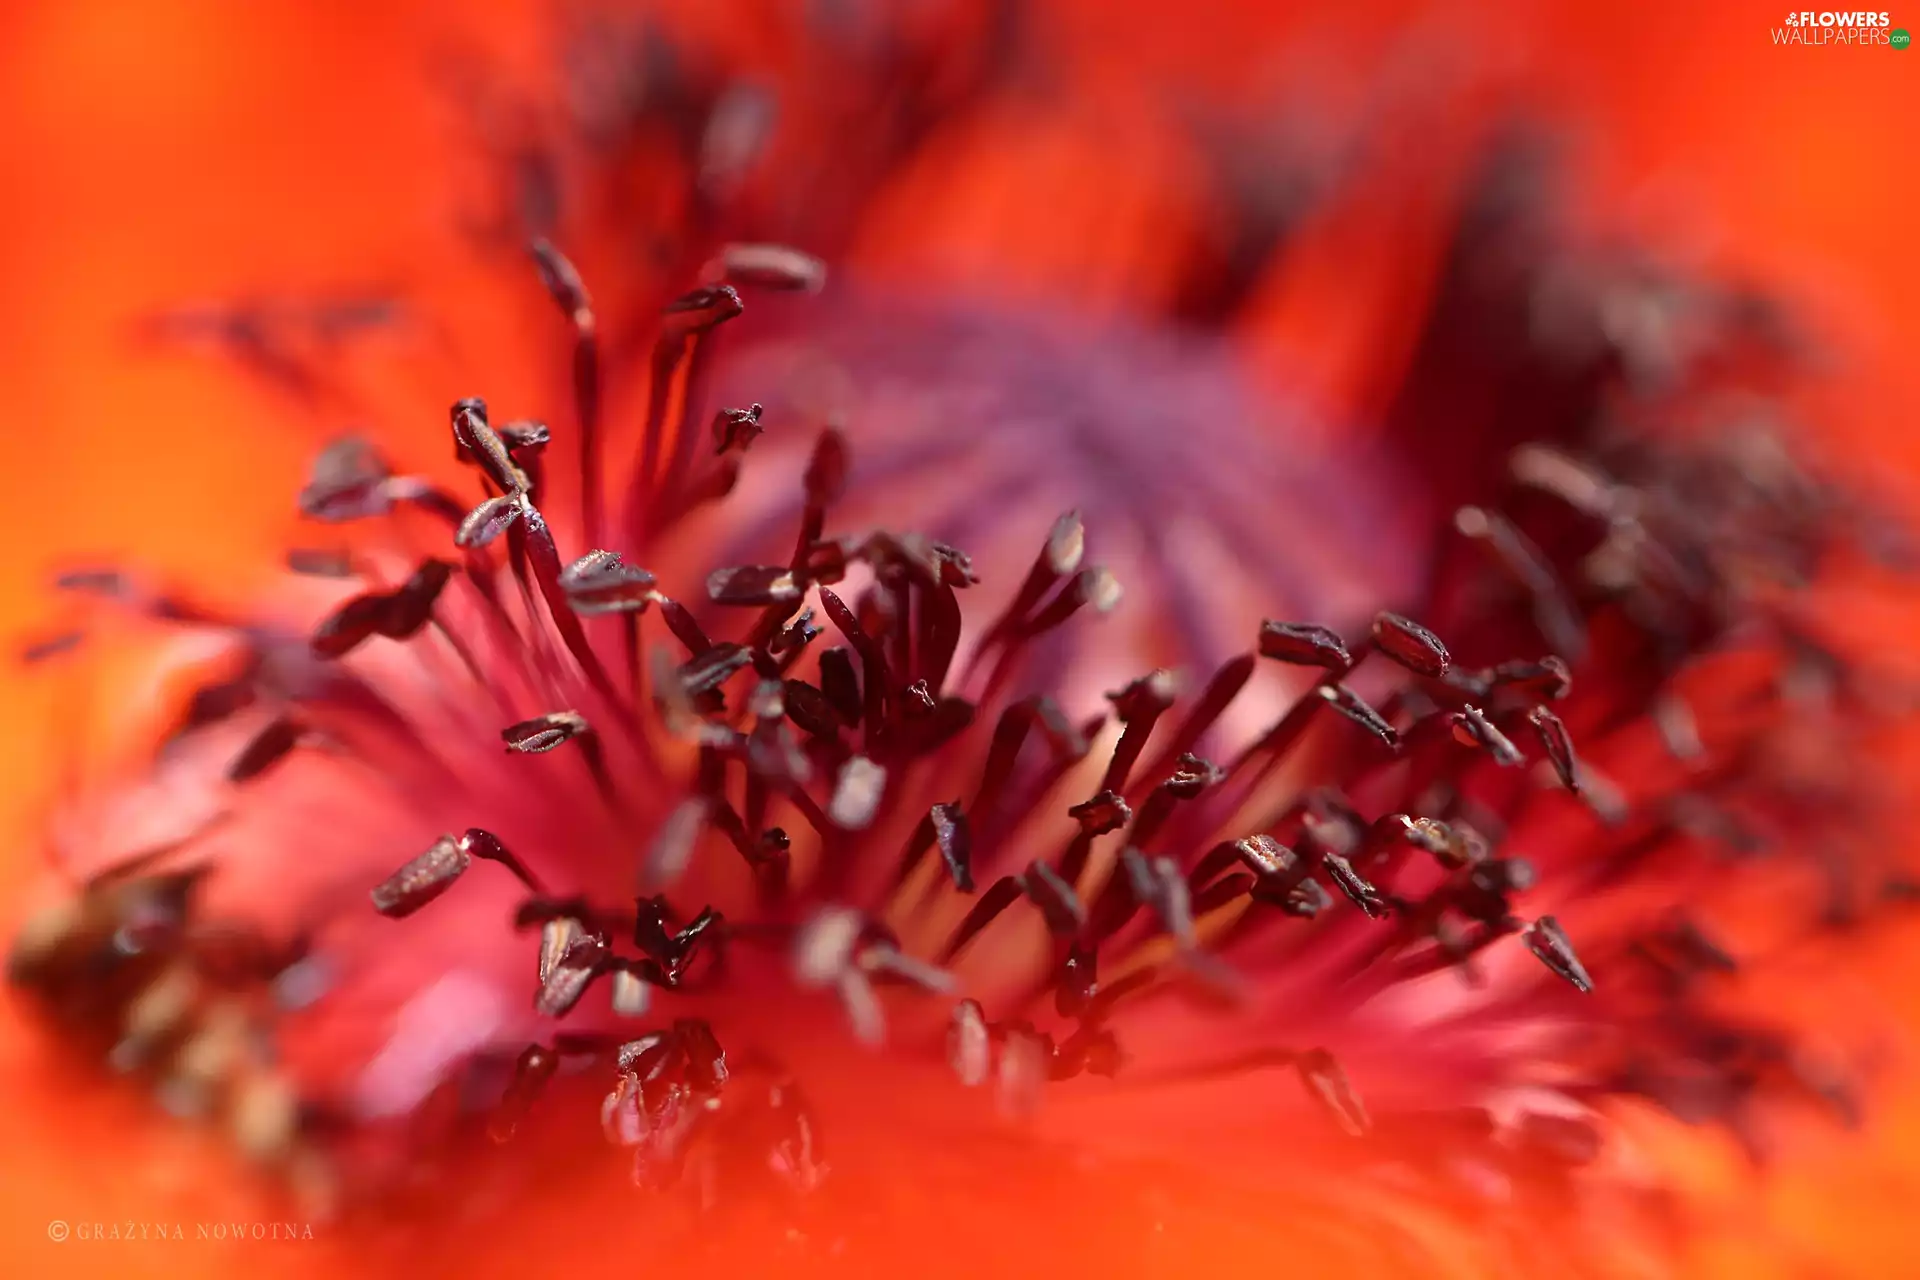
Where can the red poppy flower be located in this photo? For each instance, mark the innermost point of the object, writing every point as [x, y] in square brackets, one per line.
[1507, 812]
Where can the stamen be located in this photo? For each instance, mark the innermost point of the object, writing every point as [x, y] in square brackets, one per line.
[1139, 705]
[1558, 745]
[754, 584]
[768, 266]
[1350, 705]
[1546, 940]
[531, 1072]
[421, 880]
[1328, 1084]
[563, 284]
[1304, 645]
[969, 1049]
[544, 733]
[1411, 645]
[954, 838]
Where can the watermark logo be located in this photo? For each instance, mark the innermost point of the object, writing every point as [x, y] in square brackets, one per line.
[132, 1231]
[1850, 28]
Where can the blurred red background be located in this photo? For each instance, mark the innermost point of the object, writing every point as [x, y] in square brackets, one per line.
[196, 149]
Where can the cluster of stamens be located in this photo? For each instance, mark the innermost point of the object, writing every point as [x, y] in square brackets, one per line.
[913, 817]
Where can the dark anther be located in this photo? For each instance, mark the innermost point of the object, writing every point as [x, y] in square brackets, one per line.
[700, 310]
[1554, 612]
[1264, 856]
[841, 684]
[735, 429]
[563, 284]
[527, 437]
[1350, 882]
[543, 911]
[1093, 1049]
[1305, 900]
[1303, 645]
[51, 646]
[354, 622]
[808, 708]
[348, 482]
[481, 445]
[713, 668]
[531, 1072]
[1140, 705]
[396, 614]
[1192, 777]
[1145, 698]
[1558, 744]
[1546, 940]
[410, 605]
[1158, 885]
[1058, 903]
[108, 584]
[421, 880]
[754, 584]
[1472, 728]
[1353, 707]
[1411, 645]
[706, 1059]
[489, 520]
[317, 563]
[769, 266]
[584, 959]
[1327, 1084]
[599, 583]
[557, 937]
[543, 734]
[953, 838]
[1547, 679]
[266, 749]
[1105, 812]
